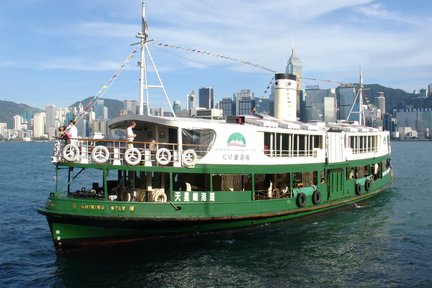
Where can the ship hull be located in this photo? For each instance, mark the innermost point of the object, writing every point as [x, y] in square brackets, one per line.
[74, 231]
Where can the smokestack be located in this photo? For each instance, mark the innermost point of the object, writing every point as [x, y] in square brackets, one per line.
[285, 103]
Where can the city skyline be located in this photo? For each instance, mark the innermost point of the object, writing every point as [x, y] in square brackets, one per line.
[57, 54]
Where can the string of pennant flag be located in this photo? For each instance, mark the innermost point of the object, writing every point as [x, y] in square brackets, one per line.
[105, 88]
[204, 52]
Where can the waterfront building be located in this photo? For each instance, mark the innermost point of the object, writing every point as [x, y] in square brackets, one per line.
[39, 124]
[18, 122]
[419, 119]
[50, 118]
[3, 130]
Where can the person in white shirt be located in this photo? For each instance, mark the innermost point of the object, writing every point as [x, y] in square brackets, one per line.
[130, 134]
[73, 132]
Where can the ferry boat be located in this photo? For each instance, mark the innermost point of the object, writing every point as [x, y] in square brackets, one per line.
[182, 176]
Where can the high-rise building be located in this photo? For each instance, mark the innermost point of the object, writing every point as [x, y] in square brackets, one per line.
[380, 102]
[176, 106]
[206, 97]
[38, 124]
[294, 67]
[245, 106]
[346, 95]
[130, 106]
[190, 100]
[99, 109]
[227, 105]
[244, 96]
[320, 104]
[18, 122]
[50, 120]
[262, 105]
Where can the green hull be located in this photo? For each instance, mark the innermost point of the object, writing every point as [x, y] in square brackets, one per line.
[82, 222]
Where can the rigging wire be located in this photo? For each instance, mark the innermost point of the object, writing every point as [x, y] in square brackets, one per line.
[105, 88]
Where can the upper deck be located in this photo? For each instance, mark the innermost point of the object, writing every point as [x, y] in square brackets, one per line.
[244, 140]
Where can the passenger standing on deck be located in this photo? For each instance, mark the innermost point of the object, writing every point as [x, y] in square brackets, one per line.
[73, 132]
[130, 134]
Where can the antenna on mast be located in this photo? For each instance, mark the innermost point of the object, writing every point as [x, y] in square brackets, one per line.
[144, 85]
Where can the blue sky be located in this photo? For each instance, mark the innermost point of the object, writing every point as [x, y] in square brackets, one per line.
[58, 52]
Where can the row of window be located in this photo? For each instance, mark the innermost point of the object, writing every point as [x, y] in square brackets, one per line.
[363, 144]
[291, 145]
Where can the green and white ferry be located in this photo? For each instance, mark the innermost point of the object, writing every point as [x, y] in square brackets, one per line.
[187, 175]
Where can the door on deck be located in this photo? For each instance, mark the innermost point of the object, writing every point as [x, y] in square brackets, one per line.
[336, 184]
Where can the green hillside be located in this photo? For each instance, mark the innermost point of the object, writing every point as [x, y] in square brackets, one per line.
[114, 106]
[394, 97]
[9, 109]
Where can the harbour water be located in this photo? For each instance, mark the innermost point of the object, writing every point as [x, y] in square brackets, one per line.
[385, 242]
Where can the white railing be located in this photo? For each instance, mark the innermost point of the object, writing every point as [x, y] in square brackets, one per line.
[121, 152]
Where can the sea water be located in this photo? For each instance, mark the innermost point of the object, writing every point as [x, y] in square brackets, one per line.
[384, 242]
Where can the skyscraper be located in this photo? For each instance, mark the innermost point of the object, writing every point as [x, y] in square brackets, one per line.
[38, 124]
[346, 95]
[380, 102]
[206, 97]
[243, 100]
[295, 67]
[130, 106]
[190, 100]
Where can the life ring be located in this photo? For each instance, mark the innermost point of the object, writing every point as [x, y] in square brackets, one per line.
[301, 200]
[357, 189]
[189, 158]
[71, 152]
[159, 196]
[100, 154]
[163, 156]
[125, 195]
[316, 197]
[368, 184]
[132, 156]
[276, 192]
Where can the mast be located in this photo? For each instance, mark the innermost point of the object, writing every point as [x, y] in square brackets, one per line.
[359, 96]
[143, 77]
[361, 116]
[144, 85]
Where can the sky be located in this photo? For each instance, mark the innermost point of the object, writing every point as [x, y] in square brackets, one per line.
[59, 52]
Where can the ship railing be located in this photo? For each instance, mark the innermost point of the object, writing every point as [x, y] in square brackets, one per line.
[122, 152]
